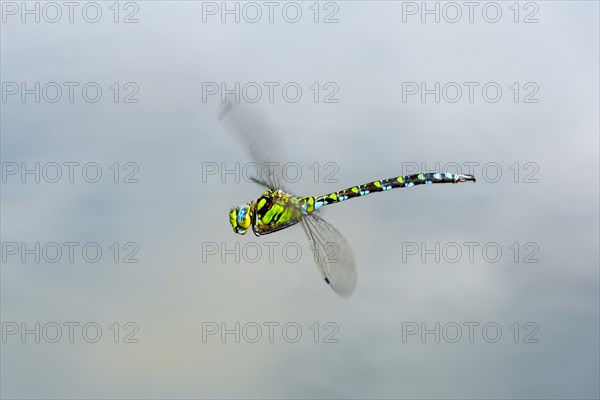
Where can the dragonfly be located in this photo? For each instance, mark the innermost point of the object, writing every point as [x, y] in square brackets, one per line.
[279, 209]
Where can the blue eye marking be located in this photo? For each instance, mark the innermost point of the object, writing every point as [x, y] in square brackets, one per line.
[242, 214]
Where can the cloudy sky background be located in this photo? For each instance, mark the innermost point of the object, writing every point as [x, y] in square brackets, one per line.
[173, 213]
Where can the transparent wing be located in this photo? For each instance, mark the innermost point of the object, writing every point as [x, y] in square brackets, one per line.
[332, 254]
[262, 144]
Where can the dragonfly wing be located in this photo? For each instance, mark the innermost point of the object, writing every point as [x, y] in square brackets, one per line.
[262, 144]
[332, 254]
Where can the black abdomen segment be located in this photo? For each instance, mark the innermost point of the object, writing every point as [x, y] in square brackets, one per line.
[315, 203]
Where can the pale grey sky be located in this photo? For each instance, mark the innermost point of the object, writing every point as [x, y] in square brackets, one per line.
[174, 217]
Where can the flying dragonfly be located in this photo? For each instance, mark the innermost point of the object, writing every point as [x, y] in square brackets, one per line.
[278, 209]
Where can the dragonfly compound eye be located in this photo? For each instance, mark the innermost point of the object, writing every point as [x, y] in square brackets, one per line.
[240, 219]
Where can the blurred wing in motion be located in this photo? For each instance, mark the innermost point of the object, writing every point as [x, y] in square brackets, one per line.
[332, 254]
[262, 144]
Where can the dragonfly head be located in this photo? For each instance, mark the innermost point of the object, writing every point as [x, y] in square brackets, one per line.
[240, 219]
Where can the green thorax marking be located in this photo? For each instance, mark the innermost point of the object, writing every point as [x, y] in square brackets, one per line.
[275, 210]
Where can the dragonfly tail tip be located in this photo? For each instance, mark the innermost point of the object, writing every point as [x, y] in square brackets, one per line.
[466, 178]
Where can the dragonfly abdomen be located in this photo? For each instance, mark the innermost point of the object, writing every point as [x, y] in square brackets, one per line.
[312, 203]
